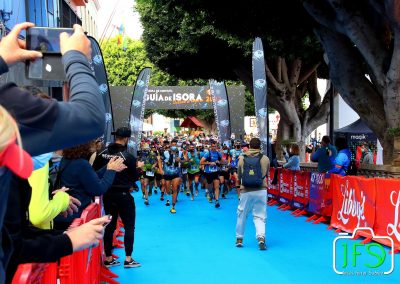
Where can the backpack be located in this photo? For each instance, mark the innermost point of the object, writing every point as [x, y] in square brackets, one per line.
[252, 175]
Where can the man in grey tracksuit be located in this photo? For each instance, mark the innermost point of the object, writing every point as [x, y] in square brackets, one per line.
[252, 198]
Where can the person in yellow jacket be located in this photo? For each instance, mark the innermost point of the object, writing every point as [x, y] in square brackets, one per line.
[42, 210]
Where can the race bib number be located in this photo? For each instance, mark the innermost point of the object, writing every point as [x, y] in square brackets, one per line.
[213, 169]
[184, 171]
[149, 174]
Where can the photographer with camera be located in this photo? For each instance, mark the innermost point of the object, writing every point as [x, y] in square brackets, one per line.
[325, 155]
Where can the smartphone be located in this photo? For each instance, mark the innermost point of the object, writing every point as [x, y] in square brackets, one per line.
[45, 40]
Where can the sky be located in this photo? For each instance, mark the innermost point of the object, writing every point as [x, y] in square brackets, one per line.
[124, 13]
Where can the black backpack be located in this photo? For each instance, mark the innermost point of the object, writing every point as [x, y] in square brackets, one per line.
[252, 174]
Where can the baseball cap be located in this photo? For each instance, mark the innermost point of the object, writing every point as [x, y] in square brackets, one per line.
[122, 132]
[16, 160]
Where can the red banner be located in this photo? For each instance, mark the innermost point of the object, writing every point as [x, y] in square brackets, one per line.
[353, 203]
[301, 189]
[285, 186]
[273, 189]
[387, 205]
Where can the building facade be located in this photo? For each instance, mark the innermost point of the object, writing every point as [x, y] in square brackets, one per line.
[43, 13]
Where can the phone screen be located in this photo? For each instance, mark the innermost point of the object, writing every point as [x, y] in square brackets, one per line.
[45, 40]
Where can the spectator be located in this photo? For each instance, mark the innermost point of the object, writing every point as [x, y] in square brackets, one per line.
[42, 210]
[46, 126]
[252, 199]
[293, 163]
[368, 157]
[83, 182]
[343, 158]
[325, 155]
[118, 200]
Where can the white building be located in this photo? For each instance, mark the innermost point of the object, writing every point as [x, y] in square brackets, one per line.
[89, 16]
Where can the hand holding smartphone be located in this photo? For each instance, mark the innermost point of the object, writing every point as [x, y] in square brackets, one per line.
[45, 40]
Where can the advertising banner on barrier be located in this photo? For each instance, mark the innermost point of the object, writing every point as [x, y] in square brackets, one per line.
[353, 202]
[285, 186]
[221, 111]
[260, 95]
[387, 209]
[317, 204]
[273, 189]
[101, 77]
[301, 189]
[137, 110]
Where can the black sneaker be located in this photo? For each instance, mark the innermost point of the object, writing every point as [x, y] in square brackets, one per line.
[223, 196]
[167, 204]
[146, 202]
[239, 243]
[111, 263]
[155, 191]
[261, 243]
[217, 205]
[162, 198]
[131, 264]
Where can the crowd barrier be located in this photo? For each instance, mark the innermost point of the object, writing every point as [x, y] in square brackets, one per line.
[345, 202]
[80, 267]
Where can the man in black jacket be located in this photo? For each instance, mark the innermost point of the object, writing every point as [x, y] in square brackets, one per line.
[118, 199]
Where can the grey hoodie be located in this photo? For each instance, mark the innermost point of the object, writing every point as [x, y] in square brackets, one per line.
[264, 169]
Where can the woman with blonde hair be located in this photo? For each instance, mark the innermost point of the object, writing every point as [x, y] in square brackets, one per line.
[294, 161]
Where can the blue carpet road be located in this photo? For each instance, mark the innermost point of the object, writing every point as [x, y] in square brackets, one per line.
[197, 245]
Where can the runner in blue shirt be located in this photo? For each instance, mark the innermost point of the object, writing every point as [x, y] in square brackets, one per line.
[211, 160]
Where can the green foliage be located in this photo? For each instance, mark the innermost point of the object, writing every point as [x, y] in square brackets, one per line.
[123, 67]
[394, 132]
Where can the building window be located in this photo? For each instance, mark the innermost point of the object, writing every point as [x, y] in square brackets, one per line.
[50, 7]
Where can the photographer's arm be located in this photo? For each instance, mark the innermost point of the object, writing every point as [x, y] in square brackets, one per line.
[47, 125]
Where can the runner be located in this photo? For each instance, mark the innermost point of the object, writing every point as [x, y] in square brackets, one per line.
[211, 160]
[171, 170]
[193, 171]
[233, 160]
[149, 167]
[224, 172]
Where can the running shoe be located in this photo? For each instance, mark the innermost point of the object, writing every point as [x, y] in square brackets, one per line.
[167, 204]
[111, 263]
[217, 205]
[131, 264]
[261, 243]
[187, 193]
[192, 198]
[239, 243]
[173, 211]
[155, 191]
[209, 198]
[146, 202]
[197, 192]
[150, 192]
[223, 196]
[143, 196]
